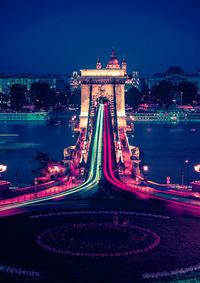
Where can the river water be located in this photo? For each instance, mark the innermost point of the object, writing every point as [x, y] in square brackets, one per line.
[50, 136]
[164, 147]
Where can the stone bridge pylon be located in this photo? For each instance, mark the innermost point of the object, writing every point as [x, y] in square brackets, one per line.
[105, 83]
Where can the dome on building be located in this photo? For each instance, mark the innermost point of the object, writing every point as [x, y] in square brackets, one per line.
[113, 63]
[175, 70]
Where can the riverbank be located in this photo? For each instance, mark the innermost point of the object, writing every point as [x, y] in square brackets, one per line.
[168, 116]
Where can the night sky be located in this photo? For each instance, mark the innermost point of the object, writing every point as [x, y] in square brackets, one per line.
[59, 36]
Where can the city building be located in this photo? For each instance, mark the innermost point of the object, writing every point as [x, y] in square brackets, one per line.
[174, 75]
[133, 81]
[74, 81]
[61, 83]
[7, 81]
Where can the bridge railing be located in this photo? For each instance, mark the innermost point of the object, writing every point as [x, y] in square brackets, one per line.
[40, 194]
[112, 139]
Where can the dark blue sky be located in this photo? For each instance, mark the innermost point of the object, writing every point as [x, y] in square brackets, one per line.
[58, 36]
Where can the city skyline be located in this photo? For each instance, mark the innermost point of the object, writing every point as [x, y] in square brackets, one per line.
[59, 37]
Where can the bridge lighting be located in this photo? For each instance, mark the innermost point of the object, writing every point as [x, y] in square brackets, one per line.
[3, 168]
[145, 168]
[118, 145]
[55, 169]
[197, 168]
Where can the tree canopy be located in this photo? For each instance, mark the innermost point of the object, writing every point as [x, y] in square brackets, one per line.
[165, 93]
[75, 97]
[188, 91]
[18, 96]
[3, 100]
[42, 96]
[42, 159]
[133, 97]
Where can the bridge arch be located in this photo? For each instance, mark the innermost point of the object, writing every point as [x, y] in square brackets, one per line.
[107, 83]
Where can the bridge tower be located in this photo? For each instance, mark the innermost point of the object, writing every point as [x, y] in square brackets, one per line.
[107, 83]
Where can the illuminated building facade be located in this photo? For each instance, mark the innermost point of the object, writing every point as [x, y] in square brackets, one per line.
[6, 81]
[174, 75]
[74, 81]
[107, 84]
[133, 81]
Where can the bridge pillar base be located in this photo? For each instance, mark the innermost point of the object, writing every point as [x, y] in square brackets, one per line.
[121, 121]
[83, 121]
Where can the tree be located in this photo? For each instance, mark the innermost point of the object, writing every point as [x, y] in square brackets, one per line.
[63, 97]
[3, 100]
[42, 159]
[17, 96]
[75, 97]
[42, 96]
[188, 92]
[162, 93]
[133, 97]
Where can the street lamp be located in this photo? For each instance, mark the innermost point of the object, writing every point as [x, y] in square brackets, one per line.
[182, 174]
[145, 169]
[3, 168]
[181, 98]
[149, 96]
[197, 168]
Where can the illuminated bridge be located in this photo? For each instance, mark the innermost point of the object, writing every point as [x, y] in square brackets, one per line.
[54, 219]
[106, 148]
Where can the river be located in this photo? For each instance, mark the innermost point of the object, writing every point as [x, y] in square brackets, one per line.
[50, 136]
[164, 147]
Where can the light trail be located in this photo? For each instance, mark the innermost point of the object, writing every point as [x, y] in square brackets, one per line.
[138, 191]
[94, 175]
[94, 172]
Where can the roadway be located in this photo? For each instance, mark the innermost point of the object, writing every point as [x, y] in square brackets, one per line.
[93, 178]
[142, 192]
[103, 133]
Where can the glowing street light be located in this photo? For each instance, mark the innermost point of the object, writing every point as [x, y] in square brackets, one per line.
[3, 168]
[197, 168]
[182, 173]
[145, 168]
[56, 168]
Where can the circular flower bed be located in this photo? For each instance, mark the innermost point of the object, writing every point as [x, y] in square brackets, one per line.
[98, 239]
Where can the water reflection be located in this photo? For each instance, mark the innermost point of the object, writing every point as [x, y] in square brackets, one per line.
[51, 137]
[166, 147]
